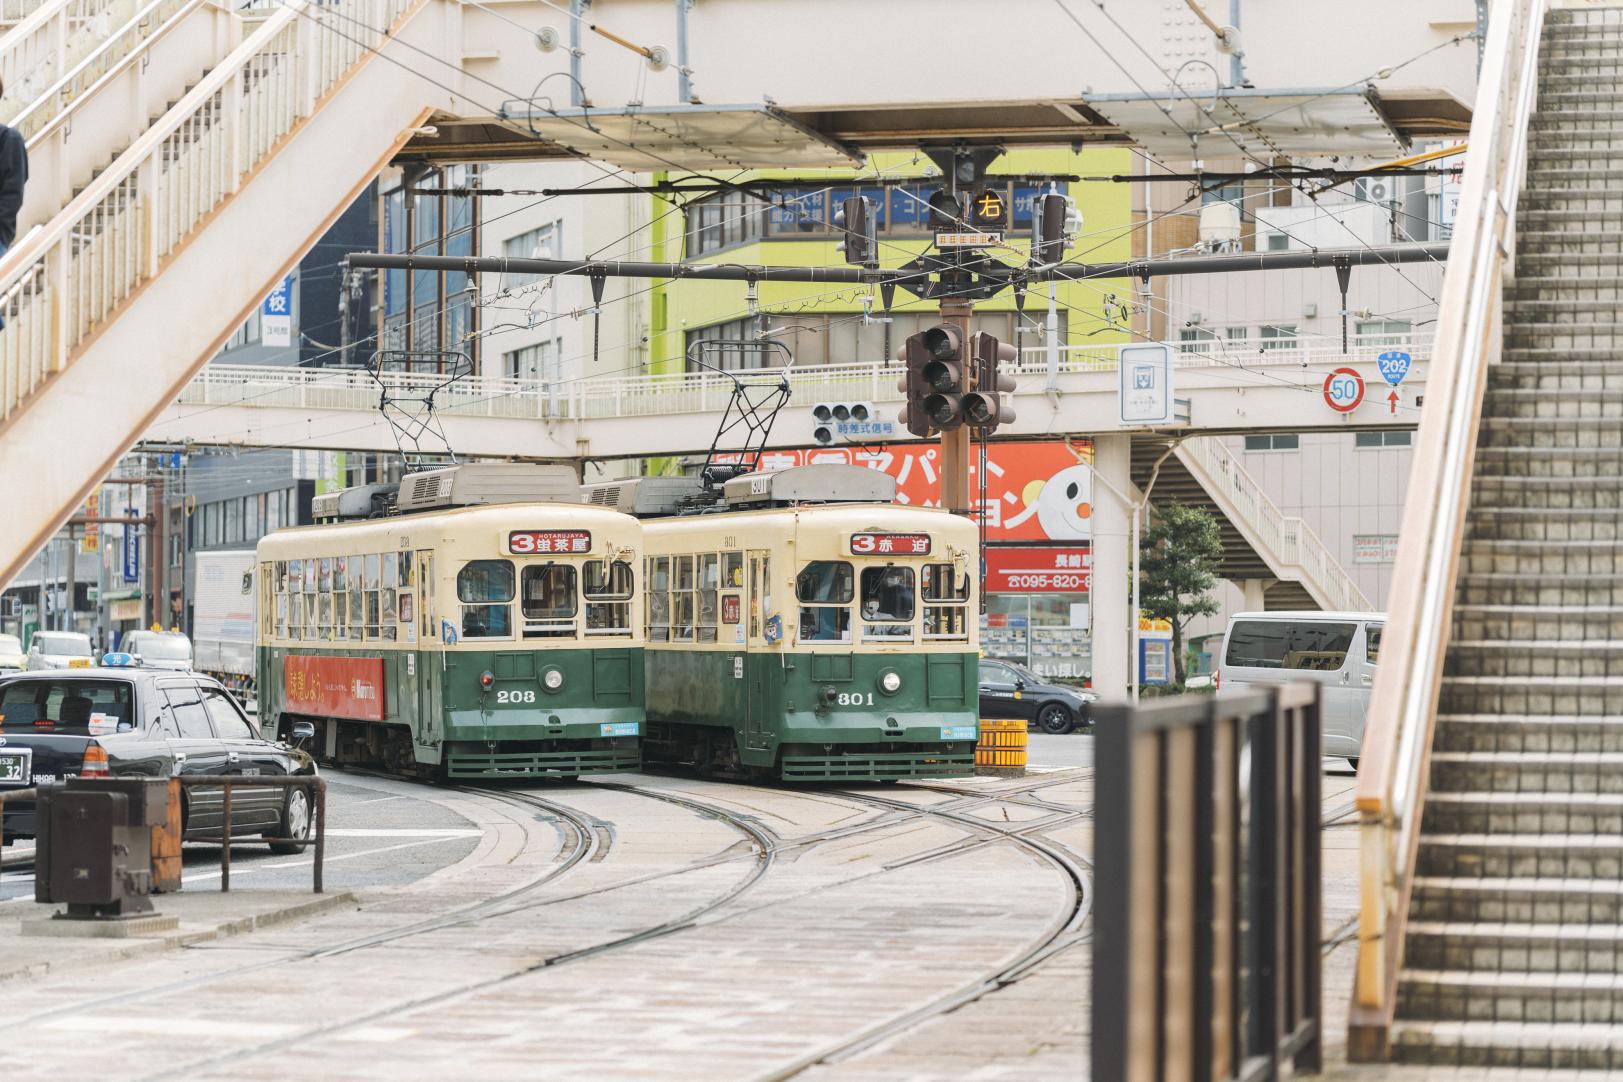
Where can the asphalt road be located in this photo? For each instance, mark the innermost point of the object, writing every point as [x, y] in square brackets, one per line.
[380, 832]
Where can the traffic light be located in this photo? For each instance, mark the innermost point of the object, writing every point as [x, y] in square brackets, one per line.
[856, 218]
[829, 415]
[986, 405]
[947, 211]
[935, 380]
[1055, 222]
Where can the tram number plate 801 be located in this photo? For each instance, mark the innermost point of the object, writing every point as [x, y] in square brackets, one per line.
[534, 542]
[898, 544]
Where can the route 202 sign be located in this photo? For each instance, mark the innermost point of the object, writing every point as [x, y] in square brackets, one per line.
[1343, 390]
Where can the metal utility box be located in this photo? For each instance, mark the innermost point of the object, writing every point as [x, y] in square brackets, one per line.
[94, 845]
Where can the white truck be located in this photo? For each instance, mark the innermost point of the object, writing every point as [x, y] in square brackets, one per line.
[223, 618]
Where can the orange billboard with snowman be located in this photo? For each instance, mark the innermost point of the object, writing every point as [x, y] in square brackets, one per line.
[1040, 491]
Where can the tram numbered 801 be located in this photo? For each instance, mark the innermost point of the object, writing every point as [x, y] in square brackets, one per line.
[813, 641]
[500, 641]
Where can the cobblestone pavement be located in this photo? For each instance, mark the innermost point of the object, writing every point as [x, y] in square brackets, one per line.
[648, 927]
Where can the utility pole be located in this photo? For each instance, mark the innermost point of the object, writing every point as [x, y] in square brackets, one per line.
[73, 560]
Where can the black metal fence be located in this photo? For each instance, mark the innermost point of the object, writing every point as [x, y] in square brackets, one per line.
[1207, 887]
[318, 802]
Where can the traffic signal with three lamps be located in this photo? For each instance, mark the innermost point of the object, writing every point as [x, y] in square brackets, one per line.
[947, 387]
[826, 416]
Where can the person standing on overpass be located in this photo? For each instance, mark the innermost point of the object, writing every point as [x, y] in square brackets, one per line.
[13, 178]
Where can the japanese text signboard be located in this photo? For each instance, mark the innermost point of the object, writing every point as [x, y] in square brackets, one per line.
[890, 544]
[334, 687]
[549, 542]
[1027, 569]
[276, 315]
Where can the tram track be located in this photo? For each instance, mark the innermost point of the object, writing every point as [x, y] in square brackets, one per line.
[1061, 933]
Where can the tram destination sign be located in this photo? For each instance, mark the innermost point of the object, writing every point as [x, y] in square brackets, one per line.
[890, 544]
[548, 542]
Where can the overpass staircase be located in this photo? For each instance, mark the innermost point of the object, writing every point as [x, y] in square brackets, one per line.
[1491, 925]
[184, 156]
[1261, 544]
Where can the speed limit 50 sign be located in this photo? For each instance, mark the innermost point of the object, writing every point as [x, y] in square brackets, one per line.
[1343, 390]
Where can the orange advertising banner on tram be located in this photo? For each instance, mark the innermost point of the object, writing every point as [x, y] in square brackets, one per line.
[334, 687]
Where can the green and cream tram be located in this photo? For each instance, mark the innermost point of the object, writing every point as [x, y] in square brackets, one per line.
[495, 641]
[814, 638]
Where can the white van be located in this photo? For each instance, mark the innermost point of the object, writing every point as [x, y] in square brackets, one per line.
[1336, 649]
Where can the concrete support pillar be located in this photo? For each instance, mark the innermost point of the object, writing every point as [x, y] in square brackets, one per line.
[1253, 594]
[1113, 622]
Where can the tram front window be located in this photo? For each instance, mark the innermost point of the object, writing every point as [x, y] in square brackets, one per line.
[608, 589]
[485, 588]
[824, 589]
[887, 602]
[547, 598]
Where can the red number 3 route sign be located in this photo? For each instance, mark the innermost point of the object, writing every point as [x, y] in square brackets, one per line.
[1343, 390]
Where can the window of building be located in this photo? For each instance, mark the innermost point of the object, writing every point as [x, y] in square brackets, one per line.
[1384, 332]
[545, 242]
[1368, 440]
[425, 311]
[1278, 335]
[1274, 441]
[707, 345]
[485, 588]
[1278, 242]
[541, 362]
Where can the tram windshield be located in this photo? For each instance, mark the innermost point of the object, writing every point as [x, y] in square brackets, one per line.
[887, 601]
[824, 589]
[485, 588]
[547, 599]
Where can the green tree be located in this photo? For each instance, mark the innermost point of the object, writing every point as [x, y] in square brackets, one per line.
[1178, 560]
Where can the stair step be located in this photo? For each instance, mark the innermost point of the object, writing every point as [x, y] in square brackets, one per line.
[1555, 378]
[1532, 404]
[1549, 463]
[1545, 523]
[1559, 433]
[1501, 556]
[1538, 856]
[1553, 734]
[1535, 997]
[1527, 900]
[1524, 592]
[1534, 1046]
[1527, 771]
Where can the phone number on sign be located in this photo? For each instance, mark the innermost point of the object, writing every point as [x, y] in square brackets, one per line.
[1059, 581]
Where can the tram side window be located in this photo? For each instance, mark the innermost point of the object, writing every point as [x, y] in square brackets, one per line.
[311, 630]
[946, 599]
[682, 598]
[887, 601]
[386, 596]
[824, 590]
[374, 616]
[485, 588]
[608, 597]
[354, 567]
[547, 600]
[709, 584]
[732, 571]
[658, 603]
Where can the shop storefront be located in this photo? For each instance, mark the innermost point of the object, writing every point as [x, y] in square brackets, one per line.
[1037, 513]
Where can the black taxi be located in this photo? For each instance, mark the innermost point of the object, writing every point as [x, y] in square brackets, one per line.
[127, 721]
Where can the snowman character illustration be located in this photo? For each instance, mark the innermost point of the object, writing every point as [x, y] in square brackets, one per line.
[1063, 504]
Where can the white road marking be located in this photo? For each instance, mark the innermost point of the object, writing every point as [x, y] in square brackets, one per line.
[404, 832]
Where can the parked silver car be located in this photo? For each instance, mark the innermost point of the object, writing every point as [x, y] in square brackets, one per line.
[59, 650]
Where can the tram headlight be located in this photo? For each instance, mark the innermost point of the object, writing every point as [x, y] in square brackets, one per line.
[553, 679]
[890, 682]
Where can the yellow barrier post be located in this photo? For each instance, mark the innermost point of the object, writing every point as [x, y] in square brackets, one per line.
[1001, 752]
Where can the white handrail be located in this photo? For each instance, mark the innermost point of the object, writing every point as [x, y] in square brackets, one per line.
[1286, 540]
[47, 42]
[1396, 752]
[63, 280]
[122, 46]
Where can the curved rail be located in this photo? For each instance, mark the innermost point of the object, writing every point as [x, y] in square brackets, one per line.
[1391, 787]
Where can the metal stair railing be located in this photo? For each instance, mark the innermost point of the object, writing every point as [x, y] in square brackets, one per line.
[48, 41]
[121, 46]
[1392, 778]
[67, 277]
[1286, 542]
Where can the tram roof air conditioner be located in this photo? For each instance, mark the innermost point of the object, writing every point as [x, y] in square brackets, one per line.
[819, 483]
[644, 497]
[361, 501]
[476, 483]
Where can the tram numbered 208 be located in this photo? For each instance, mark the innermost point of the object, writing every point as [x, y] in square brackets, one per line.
[490, 627]
[810, 630]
